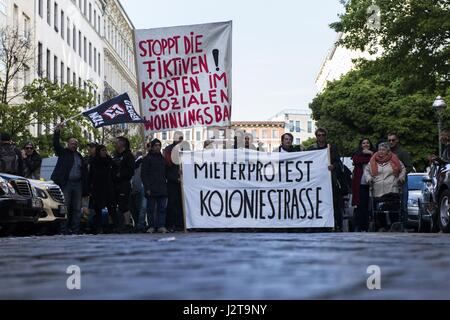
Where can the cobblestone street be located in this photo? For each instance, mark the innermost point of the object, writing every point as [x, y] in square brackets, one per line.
[227, 266]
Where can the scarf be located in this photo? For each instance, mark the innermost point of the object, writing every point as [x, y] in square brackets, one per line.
[378, 159]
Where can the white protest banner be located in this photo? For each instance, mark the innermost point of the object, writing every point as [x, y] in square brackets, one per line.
[250, 189]
[184, 76]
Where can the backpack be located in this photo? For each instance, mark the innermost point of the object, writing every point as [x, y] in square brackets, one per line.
[9, 162]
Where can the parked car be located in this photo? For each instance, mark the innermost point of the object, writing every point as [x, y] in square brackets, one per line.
[19, 204]
[416, 184]
[54, 211]
[436, 200]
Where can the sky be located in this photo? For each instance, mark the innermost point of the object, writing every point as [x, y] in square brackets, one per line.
[278, 46]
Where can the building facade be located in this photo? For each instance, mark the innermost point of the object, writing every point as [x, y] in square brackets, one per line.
[298, 122]
[338, 62]
[266, 134]
[76, 42]
[120, 71]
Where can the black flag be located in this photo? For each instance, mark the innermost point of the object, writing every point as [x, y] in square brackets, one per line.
[115, 111]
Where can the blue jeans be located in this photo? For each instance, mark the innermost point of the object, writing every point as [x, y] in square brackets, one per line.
[138, 209]
[156, 218]
[72, 196]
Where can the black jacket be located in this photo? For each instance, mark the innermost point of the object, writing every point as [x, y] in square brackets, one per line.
[19, 171]
[100, 181]
[172, 169]
[153, 174]
[337, 175]
[32, 166]
[61, 173]
[123, 170]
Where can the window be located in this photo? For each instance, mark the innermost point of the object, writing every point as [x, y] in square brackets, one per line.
[79, 43]
[48, 65]
[39, 59]
[95, 59]
[90, 54]
[63, 29]
[275, 134]
[95, 19]
[55, 69]
[99, 64]
[84, 7]
[55, 13]
[164, 135]
[68, 75]
[297, 141]
[62, 70]
[40, 7]
[74, 79]
[188, 135]
[26, 75]
[79, 82]
[90, 13]
[3, 7]
[264, 134]
[98, 24]
[309, 126]
[297, 126]
[291, 126]
[254, 133]
[26, 27]
[85, 49]
[74, 38]
[68, 32]
[49, 12]
[16, 18]
[99, 99]
[198, 136]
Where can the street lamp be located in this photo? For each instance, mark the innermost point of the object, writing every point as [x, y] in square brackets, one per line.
[439, 105]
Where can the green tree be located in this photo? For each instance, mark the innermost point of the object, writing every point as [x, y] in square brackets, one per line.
[363, 104]
[45, 104]
[414, 36]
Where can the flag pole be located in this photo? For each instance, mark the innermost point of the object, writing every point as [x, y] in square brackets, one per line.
[71, 118]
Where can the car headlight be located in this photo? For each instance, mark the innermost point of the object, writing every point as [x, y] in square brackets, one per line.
[41, 193]
[4, 186]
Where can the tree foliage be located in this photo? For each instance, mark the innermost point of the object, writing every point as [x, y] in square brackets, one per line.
[395, 92]
[414, 36]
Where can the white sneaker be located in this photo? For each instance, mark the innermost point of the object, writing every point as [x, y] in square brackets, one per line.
[151, 230]
[162, 230]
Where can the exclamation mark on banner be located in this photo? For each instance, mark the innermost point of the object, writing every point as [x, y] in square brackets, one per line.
[215, 53]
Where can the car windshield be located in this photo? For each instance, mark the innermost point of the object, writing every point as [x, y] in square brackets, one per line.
[415, 182]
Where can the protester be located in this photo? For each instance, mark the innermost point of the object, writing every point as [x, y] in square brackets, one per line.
[401, 154]
[405, 158]
[385, 173]
[10, 157]
[248, 142]
[101, 185]
[32, 162]
[174, 221]
[445, 143]
[360, 187]
[138, 203]
[68, 174]
[153, 174]
[86, 201]
[122, 173]
[336, 169]
[287, 140]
